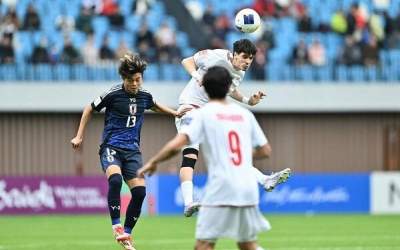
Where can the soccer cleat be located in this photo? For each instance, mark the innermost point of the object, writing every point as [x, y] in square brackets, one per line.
[125, 241]
[191, 209]
[277, 178]
[122, 238]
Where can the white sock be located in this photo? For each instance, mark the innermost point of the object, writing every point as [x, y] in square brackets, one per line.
[187, 192]
[259, 175]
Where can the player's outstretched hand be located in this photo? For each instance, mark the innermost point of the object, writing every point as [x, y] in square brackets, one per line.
[149, 168]
[255, 98]
[180, 113]
[76, 142]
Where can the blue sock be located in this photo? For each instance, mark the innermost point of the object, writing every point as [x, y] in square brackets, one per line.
[134, 208]
[114, 197]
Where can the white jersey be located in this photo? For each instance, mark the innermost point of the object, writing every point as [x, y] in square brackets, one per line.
[227, 133]
[195, 94]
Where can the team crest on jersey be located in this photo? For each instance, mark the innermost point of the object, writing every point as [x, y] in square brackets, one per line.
[186, 120]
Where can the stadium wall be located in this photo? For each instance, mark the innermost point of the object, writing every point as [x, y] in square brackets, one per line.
[312, 128]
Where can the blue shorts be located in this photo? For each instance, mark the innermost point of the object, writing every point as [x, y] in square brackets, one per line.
[128, 160]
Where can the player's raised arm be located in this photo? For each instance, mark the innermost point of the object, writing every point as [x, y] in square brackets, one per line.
[159, 108]
[190, 66]
[252, 100]
[170, 149]
[86, 115]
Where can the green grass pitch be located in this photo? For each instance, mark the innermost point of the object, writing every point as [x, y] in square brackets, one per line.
[289, 232]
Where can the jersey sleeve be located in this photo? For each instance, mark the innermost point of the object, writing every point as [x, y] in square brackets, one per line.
[258, 137]
[101, 101]
[192, 126]
[201, 57]
[150, 102]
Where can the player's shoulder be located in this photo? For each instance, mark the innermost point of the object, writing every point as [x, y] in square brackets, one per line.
[113, 90]
[145, 93]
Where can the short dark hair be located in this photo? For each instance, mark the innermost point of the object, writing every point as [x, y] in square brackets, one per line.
[245, 46]
[130, 65]
[217, 82]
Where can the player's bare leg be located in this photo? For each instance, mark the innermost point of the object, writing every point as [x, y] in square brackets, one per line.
[204, 245]
[186, 177]
[251, 245]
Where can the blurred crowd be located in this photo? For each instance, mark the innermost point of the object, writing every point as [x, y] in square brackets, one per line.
[158, 46]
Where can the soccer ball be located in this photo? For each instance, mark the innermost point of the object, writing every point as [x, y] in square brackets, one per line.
[247, 20]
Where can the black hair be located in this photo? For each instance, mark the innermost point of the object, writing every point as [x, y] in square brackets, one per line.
[130, 65]
[245, 46]
[217, 82]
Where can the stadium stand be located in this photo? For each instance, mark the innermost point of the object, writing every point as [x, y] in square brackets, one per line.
[345, 40]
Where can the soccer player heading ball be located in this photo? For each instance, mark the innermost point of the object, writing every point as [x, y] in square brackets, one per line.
[194, 96]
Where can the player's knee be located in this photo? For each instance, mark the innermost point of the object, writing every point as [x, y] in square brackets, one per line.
[189, 161]
[139, 192]
[115, 181]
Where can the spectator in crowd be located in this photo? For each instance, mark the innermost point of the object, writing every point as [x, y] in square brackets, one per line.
[300, 54]
[165, 36]
[339, 22]
[94, 6]
[371, 52]
[209, 18]
[54, 54]
[167, 49]
[217, 43]
[31, 20]
[144, 34]
[147, 52]
[376, 27]
[268, 35]
[40, 53]
[90, 52]
[141, 7]
[69, 54]
[84, 20]
[10, 23]
[265, 7]
[351, 19]
[257, 68]
[222, 26]
[106, 53]
[121, 50]
[351, 54]
[6, 50]
[117, 20]
[65, 23]
[316, 53]
[304, 22]
[108, 7]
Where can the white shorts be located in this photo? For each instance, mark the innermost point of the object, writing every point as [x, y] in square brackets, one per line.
[178, 123]
[239, 223]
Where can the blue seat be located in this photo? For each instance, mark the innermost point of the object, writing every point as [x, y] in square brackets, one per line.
[304, 73]
[151, 73]
[372, 73]
[341, 73]
[168, 72]
[62, 72]
[357, 73]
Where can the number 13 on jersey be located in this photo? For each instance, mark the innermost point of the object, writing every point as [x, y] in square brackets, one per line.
[234, 147]
[131, 122]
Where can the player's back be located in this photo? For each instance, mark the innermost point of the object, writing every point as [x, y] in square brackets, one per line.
[227, 147]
